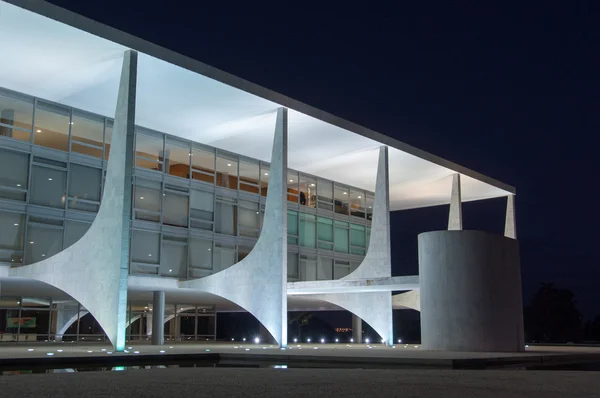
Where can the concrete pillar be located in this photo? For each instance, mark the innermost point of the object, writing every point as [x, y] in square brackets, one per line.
[158, 316]
[356, 329]
[7, 116]
[149, 324]
[470, 292]
[265, 336]
[510, 225]
[455, 216]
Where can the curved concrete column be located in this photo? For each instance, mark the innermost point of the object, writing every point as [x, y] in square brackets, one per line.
[378, 260]
[470, 292]
[94, 269]
[258, 283]
[373, 308]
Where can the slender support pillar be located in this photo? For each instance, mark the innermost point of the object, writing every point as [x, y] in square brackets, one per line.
[158, 316]
[356, 329]
[510, 226]
[455, 217]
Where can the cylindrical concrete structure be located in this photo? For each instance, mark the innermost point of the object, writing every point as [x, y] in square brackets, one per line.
[356, 329]
[470, 288]
[158, 318]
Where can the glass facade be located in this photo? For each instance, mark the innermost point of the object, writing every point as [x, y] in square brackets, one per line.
[196, 209]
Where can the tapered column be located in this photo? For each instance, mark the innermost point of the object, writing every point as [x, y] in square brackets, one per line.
[94, 270]
[356, 329]
[158, 316]
[258, 283]
[455, 217]
[510, 226]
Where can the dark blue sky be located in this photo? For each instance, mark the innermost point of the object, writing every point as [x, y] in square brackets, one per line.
[511, 92]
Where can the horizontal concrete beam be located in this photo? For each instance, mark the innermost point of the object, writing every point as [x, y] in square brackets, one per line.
[394, 283]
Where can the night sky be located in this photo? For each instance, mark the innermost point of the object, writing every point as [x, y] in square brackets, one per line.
[511, 92]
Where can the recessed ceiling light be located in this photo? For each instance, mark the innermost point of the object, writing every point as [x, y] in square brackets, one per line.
[18, 185]
[228, 164]
[359, 196]
[312, 185]
[49, 179]
[369, 207]
[32, 242]
[149, 255]
[345, 193]
[38, 131]
[172, 271]
[16, 225]
[291, 180]
[141, 197]
[43, 255]
[72, 123]
[266, 174]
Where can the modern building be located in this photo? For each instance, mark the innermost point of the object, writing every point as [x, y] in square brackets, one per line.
[151, 191]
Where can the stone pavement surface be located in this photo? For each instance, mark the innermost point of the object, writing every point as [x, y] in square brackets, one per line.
[224, 382]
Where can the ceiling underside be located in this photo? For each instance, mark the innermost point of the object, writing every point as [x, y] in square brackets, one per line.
[58, 62]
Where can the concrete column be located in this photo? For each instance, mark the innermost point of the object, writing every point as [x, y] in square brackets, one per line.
[94, 270]
[7, 116]
[149, 321]
[264, 335]
[455, 216]
[470, 292]
[158, 316]
[356, 329]
[258, 283]
[510, 225]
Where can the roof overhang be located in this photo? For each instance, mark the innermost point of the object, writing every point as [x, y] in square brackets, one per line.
[64, 57]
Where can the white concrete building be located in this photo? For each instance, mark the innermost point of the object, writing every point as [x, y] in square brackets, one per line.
[140, 187]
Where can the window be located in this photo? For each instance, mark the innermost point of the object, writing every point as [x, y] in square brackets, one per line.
[147, 200]
[177, 162]
[202, 209]
[307, 230]
[341, 269]
[226, 216]
[249, 217]
[341, 237]
[87, 134]
[325, 269]
[47, 237]
[175, 207]
[308, 191]
[325, 195]
[243, 252]
[48, 186]
[227, 171]
[249, 176]
[264, 179]
[145, 247]
[357, 239]
[292, 186]
[224, 256]
[292, 227]
[107, 138]
[74, 230]
[292, 266]
[14, 170]
[12, 230]
[16, 116]
[203, 164]
[357, 203]
[52, 123]
[84, 188]
[325, 233]
[308, 268]
[149, 151]
[341, 199]
[369, 203]
[173, 259]
[201, 259]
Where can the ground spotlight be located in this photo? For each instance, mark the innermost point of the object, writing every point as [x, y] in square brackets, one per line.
[352, 340]
[295, 340]
[337, 340]
[256, 340]
[399, 340]
[308, 340]
[322, 340]
[367, 340]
